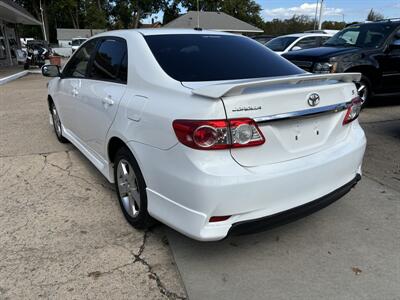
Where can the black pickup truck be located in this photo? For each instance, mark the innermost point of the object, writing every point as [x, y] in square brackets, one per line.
[372, 48]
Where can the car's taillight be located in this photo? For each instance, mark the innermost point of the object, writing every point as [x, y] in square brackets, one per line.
[218, 134]
[353, 110]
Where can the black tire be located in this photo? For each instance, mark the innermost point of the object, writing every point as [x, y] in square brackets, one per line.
[57, 124]
[142, 219]
[364, 90]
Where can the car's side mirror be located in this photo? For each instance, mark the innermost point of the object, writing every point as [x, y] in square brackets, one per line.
[295, 48]
[395, 45]
[69, 43]
[51, 71]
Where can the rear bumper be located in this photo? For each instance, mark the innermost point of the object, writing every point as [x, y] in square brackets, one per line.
[269, 222]
[186, 187]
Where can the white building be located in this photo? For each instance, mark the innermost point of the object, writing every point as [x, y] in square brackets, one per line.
[65, 35]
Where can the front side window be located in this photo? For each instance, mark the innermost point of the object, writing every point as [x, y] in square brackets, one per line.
[396, 36]
[77, 66]
[323, 39]
[109, 60]
[306, 43]
[77, 42]
[202, 57]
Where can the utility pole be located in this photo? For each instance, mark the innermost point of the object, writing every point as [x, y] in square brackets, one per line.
[316, 14]
[198, 14]
[321, 11]
[43, 27]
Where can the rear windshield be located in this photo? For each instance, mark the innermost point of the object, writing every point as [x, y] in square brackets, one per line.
[196, 57]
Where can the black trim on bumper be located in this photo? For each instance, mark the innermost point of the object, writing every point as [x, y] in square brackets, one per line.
[269, 222]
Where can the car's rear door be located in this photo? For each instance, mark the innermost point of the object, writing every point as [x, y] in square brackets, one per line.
[102, 91]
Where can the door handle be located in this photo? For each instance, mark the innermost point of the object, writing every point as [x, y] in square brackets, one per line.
[108, 101]
[75, 92]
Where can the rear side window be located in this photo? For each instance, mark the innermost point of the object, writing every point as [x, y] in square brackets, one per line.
[306, 43]
[78, 64]
[280, 43]
[110, 61]
[197, 57]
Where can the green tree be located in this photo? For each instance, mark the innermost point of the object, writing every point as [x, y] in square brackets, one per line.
[95, 14]
[374, 16]
[68, 14]
[333, 25]
[128, 13]
[297, 23]
[122, 14]
[245, 10]
[171, 10]
[142, 8]
[33, 6]
[204, 5]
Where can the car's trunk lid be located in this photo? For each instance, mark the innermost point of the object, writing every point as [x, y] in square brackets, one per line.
[292, 127]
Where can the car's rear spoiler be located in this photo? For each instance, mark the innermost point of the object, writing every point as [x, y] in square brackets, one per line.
[236, 87]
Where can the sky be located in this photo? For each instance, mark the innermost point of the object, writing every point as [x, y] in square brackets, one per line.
[335, 10]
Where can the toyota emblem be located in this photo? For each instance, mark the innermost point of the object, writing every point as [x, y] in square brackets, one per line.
[313, 99]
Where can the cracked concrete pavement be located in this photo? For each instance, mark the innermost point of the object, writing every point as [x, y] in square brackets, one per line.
[349, 250]
[62, 234]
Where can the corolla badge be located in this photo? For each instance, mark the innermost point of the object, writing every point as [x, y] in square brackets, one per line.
[313, 99]
[246, 108]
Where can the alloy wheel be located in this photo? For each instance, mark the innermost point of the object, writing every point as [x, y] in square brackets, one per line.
[128, 188]
[56, 121]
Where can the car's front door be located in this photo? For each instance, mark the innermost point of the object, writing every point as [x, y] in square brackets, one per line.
[101, 92]
[306, 43]
[70, 84]
[390, 65]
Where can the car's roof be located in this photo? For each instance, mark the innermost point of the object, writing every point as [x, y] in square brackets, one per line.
[163, 31]
[298, 35]
[395, 21]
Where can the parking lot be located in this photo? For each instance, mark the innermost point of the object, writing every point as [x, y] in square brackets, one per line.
[63, 235]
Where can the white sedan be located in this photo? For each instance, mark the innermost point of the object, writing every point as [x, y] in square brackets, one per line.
[210, 133]
[297, 41]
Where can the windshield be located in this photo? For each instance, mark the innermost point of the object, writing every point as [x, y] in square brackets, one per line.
[198, 57]
[362, 36]
[280, 43]
[77, 42]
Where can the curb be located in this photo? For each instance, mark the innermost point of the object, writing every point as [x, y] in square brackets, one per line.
[12, 77]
